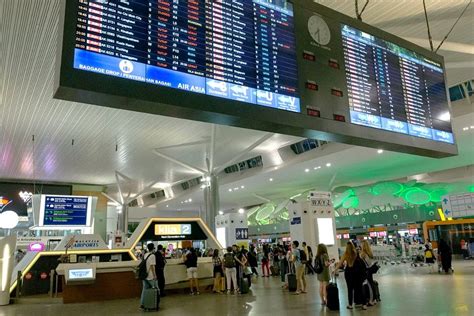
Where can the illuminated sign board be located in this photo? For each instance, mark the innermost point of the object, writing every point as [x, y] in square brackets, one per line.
[67, 210]
[172, 229]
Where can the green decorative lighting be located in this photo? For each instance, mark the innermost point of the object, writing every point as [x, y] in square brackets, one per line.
[436, 195]
[285, 215]
[351, 202]
[265, 212]
[341, 198]
[417, 196]
[387, 188]
[471, 188]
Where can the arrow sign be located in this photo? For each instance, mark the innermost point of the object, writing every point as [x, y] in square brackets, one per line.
[447, 212]
[445, 201]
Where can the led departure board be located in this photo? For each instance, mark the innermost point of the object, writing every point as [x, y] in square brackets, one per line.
[238, 50]
[395, 89]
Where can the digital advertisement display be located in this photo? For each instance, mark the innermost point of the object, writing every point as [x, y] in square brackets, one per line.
[58, 210]
[395, 89]
[239, 50]
[325, 231]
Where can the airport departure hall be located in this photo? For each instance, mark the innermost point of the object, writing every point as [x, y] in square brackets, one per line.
[236, 157]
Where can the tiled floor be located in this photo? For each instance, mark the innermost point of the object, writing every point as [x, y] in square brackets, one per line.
[404, 290]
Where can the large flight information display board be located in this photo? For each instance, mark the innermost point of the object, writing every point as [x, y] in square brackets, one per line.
[238, 50]
[65, 210]
[395, 89]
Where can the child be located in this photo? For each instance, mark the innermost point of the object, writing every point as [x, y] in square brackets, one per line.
[429, 257]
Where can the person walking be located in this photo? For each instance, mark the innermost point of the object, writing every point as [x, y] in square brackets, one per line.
[266, 261]
[160, 269]
[353, 275]
[253, 261]
[230, 271]
[218, 271]
[190, 261]
[309, 258]
[150, 280]
[300, 268]
[322, 269]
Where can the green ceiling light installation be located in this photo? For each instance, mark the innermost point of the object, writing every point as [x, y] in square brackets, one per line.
[387, 188]
[285, 215]
[342, 197]
[471, 188]
[406, 191]
[418, 197]
[265, 212]
[351, 202]
[437, 194]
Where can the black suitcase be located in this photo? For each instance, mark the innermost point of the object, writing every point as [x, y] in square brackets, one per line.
[333, 296]
[244, 286]
[151, 299]
[368, 292]
[292, 286]
[376, 291]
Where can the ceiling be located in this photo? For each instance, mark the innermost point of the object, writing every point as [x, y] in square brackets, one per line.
[79, 143]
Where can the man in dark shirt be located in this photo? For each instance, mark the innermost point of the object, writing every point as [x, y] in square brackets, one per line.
[160, 269]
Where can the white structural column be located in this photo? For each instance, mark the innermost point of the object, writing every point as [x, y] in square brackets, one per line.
[312, 220]
[7, 260]
[212, 201]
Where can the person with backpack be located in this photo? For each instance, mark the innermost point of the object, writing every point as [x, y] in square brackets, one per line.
[321, 265]
[147, 272]
[230, 271]
[160, 269]
[354, 273]
[190, 261]
[298, 258]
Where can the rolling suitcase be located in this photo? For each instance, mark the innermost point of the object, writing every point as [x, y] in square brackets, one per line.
[376, 291]
[292, 286]
[275, 270]
[332, 296]
[244, 286]
[368, 293]
[151, 299]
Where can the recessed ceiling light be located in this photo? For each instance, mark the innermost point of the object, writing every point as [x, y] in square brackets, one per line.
[230, 190]
[328, 164]
[221, 213]
[190, 200]
[380, 151]
[306, 170]
[241, 211]
[466, 128]
[472, 126]
[242, 187]
[276, 168]
[271, 179]
[235, 189]
[167, 206]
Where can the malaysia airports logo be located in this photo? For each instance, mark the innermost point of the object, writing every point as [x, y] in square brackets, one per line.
[126, 66]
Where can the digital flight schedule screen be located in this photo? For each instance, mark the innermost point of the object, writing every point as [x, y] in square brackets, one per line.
[395, 89]
[238, 50]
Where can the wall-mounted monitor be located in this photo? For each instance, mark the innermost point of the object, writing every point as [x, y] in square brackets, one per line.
[293, 67]
[325, 231]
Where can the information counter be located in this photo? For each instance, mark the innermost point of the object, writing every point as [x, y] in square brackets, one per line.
[87, 282]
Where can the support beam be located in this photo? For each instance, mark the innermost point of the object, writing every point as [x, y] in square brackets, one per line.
[111, 198]
[263, 139]
[122, 200]
[212, 149]
[179, 162]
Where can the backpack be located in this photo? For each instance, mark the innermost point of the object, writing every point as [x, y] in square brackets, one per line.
[142, 270]
[318, 265]
[229, 261]
[303, 258]
[428, 254]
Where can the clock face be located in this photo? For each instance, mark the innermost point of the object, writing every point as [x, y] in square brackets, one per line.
[319, 30]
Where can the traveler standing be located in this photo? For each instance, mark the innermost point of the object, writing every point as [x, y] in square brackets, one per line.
[253, 262]
[446, 255]
[309, 258]
[353, 275]
[190, 261]
[218, 272]
[266, 261]
[300, 268]
[150, 279]
[160, 269]
[322, 269]
[230, 271]
[368, 257]
[283, 264]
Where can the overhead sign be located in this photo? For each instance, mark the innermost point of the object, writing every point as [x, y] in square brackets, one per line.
[258, 64]
[86, 241]
[241, 233]
[172, 229]
[458, 205]
[65, 211]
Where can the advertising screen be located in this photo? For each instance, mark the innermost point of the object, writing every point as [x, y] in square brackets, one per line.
[325, 231]
[395, 89]
[68, 210]
[239, 50]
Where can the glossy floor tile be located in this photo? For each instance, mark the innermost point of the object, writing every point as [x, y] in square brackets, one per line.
[404, 291]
